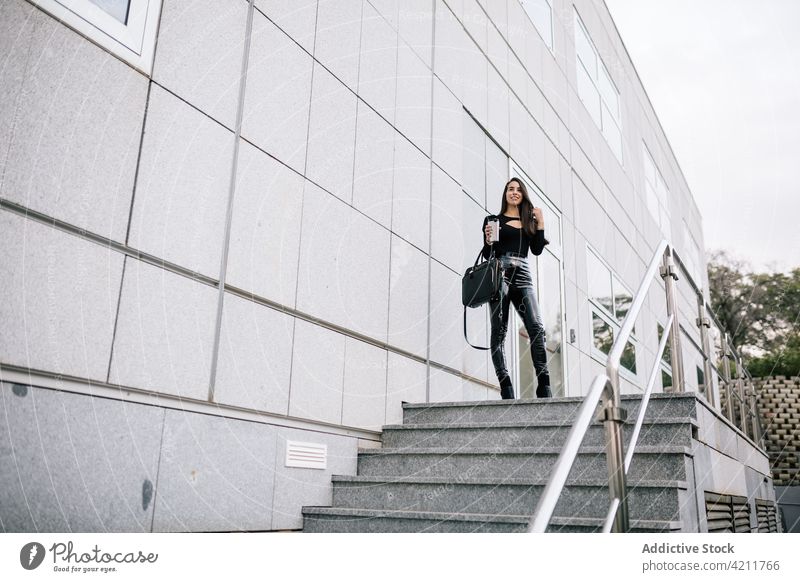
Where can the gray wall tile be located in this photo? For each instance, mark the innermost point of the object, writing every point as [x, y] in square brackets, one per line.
[413, 105]
[416, 27]
[373, 174]
[317, 373]
[165, 332]
[448, 131]
[344, 265]
[255, 356]
[475, 21]
[364, 401]
[216, 474]
[199, 54]
[450, 38]
[59, 299]
[278, 94]
[449, 232]
[497, 49]
[183, 186]
[338, 38]
[408, 298]
[446, 313]
[299, 487]
[446, 387]
[474, 71]
[76, 139]
[377, 72]
[406, 383]
[265, 230]
[331, 135]
[17, 23]
[74, 463]
[389, 9]
[411, 193]
[297, 18]
[474, 160]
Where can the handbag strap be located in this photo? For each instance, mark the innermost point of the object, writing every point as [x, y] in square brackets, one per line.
[466, 337]
[465, 332]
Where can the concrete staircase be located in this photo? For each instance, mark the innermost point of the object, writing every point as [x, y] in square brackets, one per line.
[481, 467]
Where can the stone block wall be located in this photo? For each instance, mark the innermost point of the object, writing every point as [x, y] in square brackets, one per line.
[779, 405]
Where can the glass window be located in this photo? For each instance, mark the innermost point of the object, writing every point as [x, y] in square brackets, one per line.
[602, 333]
[474, 157]
[628, 359]
[649, 167]
[596, 89]
[666, 357]
[588, 94]
[656, 193]
[600, 283]
[622, 300]
[701, 380]
[652, 201]
[666, 381]
[612, 134]
[584, 49]
[692, 255]
[116, 8]
[608, 92]
[541, 14]
[125, 28]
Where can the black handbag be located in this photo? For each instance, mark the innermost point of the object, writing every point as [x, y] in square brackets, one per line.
[481, 283]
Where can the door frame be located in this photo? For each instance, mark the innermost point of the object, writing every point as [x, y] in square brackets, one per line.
[534, 190]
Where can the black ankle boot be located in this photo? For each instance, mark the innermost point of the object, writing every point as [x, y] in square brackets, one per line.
[543, 389]
[506, 389]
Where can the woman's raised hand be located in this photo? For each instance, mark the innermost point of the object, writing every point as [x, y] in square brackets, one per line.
[538, 217]
[487, 230]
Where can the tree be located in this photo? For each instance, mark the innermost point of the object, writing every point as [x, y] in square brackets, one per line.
[760, 312]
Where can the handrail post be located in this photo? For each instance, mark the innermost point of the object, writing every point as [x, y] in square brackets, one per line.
[670, 275]
[742, 402]
[704, 323]
[613, 418]
[726, 377]
[754, 409]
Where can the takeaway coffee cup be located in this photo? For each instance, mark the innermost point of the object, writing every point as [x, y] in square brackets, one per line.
[494, 223]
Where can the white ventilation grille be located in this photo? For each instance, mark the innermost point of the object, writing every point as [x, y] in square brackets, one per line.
[307, 455]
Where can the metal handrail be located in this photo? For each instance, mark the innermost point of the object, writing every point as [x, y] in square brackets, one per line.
[606, 386]
[558, 477]
[646, 398]
[614, 505]
[748, 410]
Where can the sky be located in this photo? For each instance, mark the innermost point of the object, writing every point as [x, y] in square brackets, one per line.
[724, 79]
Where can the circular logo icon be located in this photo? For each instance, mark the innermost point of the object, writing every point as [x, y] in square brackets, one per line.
[31, 555]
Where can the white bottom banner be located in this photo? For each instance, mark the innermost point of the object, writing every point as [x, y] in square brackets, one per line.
[355, 557]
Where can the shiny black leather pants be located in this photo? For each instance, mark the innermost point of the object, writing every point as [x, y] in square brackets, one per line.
[519, 291]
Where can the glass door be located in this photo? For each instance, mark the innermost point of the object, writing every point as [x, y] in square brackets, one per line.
[548, 271]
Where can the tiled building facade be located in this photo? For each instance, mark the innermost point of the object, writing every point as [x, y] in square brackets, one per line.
[249, 230]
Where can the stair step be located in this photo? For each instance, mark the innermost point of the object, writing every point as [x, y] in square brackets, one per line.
[655, 463]
[589, 498]
[546, 409]
[327, 519]
[667, 431]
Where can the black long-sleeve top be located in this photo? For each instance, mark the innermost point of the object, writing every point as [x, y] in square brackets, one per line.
[513, 240]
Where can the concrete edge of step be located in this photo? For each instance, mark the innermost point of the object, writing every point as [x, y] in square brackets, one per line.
[541, 482]
[590, 450]
[536, 424]
[355, 513]
[539, 401]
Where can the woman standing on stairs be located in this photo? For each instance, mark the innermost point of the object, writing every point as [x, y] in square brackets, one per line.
[521, 228]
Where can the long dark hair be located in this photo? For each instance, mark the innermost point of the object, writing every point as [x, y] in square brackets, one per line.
[525, 207]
